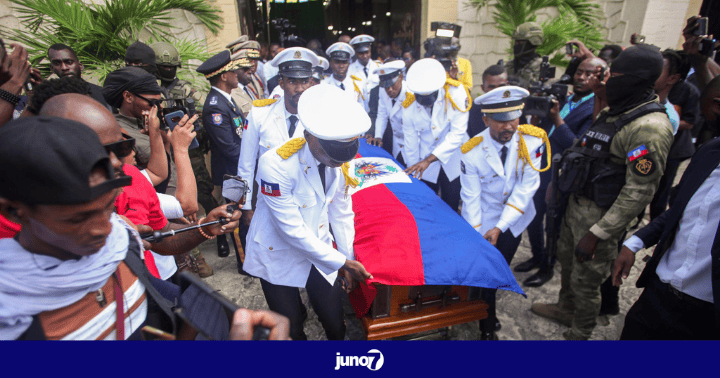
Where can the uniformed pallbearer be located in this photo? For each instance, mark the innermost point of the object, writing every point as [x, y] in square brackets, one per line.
[303, 193]
[499, 178]
[391, 96]
[434, 122]
[340, 54]
[273, 122]
[364, 66]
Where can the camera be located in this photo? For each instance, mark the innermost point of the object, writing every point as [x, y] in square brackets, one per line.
[441, 46]
[570, 48]
[540, 102]
[283, 27]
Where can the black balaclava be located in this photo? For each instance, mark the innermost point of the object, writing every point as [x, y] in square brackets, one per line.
[523, 53]
[641, 66]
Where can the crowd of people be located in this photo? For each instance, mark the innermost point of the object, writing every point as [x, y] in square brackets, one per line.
[103, 187]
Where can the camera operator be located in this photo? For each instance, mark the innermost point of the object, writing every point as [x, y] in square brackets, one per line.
[564, 124]
[524, 69]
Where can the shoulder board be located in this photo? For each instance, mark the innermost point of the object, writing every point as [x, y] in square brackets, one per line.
[290, 147]
[355, 78]
[409, 99]
[453, 82]
[472, 143]
[532, 131]
[266, 102]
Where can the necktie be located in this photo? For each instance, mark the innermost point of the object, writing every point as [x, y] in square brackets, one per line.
[365, 71]
[293, 122]
[393, 102]
[248, 92]
[342, 86]
[321, 170]
[503, 154]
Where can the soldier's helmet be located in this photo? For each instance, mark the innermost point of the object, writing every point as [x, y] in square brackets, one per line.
[531, 32]
[166, 54]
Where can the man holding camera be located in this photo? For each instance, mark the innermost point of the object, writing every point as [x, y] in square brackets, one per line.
[524, 69]
[563, 125]
[610, 174]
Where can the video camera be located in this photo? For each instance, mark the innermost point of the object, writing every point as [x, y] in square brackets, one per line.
[283, 27]
[707, 45]
[441, 46]
[539, 102]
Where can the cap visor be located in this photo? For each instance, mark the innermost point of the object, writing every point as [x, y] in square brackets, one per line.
[340, 151]
[297, 74]
[505, 116]
[387, 83]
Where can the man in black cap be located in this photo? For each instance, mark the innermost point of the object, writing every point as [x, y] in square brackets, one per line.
[141, 55]
[136, 93]
[612, 173]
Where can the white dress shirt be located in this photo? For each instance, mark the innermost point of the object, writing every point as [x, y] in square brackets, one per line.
[687, 264]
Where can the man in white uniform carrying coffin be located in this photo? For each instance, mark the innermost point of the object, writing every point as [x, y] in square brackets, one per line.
[303, 191]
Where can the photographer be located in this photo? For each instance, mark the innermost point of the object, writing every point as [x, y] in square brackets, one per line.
[564, 124]
[14, 72]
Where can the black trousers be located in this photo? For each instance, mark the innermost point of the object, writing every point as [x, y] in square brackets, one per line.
[507, 244]
[326, 300]
[449, 190]
[662, 196]
[659, 314]
[536, 228]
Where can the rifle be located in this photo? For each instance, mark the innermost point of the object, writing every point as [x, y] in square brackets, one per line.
[555, 211]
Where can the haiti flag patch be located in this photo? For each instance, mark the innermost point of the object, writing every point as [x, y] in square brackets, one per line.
[269, 188]
[638, 152]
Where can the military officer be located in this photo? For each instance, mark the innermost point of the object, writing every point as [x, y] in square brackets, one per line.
[303, 193]
[434, 122]
[392, 94]
[363, 67]
[500, 174]
[340, 54]
[612, 173]
[256, 87]
[243, 95]
[273, 122]
[525, 66]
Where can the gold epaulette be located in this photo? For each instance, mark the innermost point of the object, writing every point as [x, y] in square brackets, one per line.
[409, 99]
[355, 78]
[453, 82]
[472, 143]
[532, 131]
[266, 102]
[290, 147]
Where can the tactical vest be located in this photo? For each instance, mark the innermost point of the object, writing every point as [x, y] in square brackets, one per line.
[587, 169]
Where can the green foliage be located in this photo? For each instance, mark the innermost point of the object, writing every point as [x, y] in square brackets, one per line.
[100, 33]
[579, 19]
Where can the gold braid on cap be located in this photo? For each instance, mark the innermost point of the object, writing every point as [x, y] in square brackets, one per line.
[522, 147]
[409, 99]
[233, 65]
[357, 89]
[448, 83]
[266, 102]
[472, 143]
[290, 147]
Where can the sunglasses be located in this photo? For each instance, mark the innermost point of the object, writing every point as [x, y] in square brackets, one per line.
[121, 148]
[157, 103]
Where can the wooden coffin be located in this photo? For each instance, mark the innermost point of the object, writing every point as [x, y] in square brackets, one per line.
[404, 310]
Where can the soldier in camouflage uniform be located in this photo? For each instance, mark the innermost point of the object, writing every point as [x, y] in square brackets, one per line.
[623, 155]
[524, 69]
[167, 59]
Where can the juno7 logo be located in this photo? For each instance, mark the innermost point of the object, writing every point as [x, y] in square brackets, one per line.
[368, 361]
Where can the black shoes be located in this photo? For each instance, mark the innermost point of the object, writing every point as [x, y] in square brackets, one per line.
[538, 279]
[222, 246]
[487, 331]
[489, 336]
[527, 266]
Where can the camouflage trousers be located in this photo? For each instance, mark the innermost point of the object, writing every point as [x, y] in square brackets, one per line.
[204, 182]
[580, 282]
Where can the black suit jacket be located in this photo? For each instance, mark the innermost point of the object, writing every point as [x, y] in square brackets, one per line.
[662, 230]
[223, 121]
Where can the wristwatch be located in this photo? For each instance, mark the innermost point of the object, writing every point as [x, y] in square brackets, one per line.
[9, 97]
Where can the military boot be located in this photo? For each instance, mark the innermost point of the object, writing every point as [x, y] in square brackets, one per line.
[558, 312]
[203, 269]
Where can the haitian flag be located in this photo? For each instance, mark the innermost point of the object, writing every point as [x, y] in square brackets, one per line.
[406, 235]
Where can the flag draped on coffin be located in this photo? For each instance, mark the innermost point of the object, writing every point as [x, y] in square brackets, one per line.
[406, 235]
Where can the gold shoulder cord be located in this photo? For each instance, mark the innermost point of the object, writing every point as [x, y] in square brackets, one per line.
[266, 102]
[522, 146]
[357, 89]
[290, 147]
[409, 99]
[349, 181]
[455, 83]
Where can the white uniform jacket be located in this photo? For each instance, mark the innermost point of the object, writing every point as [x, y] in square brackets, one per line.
[356, 68]
[290, 230]
[393, 113]
[361, 95]
[442, 136]
[497, 196]
[267, 128]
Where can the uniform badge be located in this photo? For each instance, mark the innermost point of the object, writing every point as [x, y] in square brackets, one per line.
[246, 124]
[213, 100]
[462, 166]
[540, 151]
[297, 55]
[269, 188]
[277, 96]
[644, 167]
[217, 118]
[638, 152]
[238, 126]
[506, 94]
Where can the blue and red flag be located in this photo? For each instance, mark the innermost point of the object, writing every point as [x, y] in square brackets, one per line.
[406, 235]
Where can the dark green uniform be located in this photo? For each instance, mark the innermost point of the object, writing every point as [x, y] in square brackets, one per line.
[527, 74]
